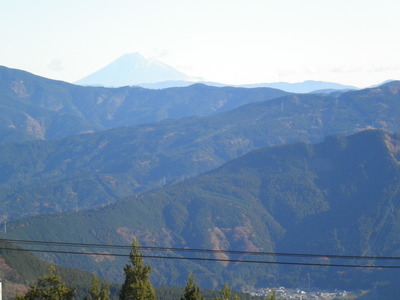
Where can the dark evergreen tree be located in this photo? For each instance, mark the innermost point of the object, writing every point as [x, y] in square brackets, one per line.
[192, 291]
[104, 292]
[137, 284]
[98, 294]
[226, 293]
[94, 289]
[49, 287]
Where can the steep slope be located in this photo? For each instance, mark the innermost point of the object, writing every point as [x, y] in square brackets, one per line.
[338, 197]
[32, 107]
[95, 169]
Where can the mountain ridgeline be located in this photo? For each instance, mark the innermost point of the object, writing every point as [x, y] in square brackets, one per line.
[33, 107]
[339, 197]
[88, 170]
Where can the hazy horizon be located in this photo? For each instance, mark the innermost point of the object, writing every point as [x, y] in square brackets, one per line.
[232, 42]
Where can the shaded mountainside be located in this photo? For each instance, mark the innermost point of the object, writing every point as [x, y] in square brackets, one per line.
[32, 107]
[95, 169]
[338, 197]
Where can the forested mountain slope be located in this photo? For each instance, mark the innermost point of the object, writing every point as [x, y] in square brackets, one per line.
[94, 169]
[338, 197]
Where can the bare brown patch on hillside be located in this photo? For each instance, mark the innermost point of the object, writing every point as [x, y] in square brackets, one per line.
[111, 180]
[394, 89]
[101, 257]
[20, 89]
[238, 238]
[376, 91]
[146, 237]
[242, 235]
[100, 99]
[217, 105]
[239, 142]
[393, 146]
[11, 287]
[219, 242]
[7, 272]
[34, 127]
[117, 102]
[11, 290]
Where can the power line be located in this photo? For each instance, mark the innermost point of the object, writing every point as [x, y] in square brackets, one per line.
[177, 249]
[208, 259]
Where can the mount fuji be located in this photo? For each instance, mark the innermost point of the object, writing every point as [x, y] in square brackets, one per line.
[133, 69]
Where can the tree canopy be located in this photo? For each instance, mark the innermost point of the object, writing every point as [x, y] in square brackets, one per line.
[137, 284]
[192, 291]
[49, 287]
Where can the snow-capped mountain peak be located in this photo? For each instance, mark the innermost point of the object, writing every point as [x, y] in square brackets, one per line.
[133, 69]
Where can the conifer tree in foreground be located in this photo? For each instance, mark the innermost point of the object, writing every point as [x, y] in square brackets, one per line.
[96, 293]
[137, 284]
[104, 292]
[49, 287]
[192, 291]
[226, 293]
[94, 289]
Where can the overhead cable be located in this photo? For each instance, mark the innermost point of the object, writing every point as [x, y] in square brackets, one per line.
[208, 259]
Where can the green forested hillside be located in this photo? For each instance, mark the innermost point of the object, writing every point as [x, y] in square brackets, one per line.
[20, 269]
[32, 107]
[95, 169]
[336, 197]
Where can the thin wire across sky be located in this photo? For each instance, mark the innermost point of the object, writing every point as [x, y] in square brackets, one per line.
[263, 257]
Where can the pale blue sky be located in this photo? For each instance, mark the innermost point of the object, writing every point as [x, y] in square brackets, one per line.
[346, 41]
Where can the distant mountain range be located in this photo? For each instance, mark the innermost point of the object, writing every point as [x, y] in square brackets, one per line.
[309, 86]
[305, 87]
[34, 107]
[136, 70]
[65, 173]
